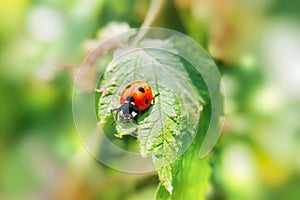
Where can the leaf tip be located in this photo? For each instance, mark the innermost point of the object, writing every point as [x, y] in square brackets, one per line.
[118, 135]
[170, 188]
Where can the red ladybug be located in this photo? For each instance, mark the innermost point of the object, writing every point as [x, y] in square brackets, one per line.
[136, 97]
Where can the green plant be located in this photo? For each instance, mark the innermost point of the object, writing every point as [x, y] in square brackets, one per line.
[170, 126]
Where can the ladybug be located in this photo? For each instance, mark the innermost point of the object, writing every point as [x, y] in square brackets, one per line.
[135, 98]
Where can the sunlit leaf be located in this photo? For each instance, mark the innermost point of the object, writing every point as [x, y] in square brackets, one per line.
[168, 127]
[191, 174]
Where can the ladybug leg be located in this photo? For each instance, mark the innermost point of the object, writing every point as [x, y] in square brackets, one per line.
[115, 109]
[116, 116]
[137, 111]
[136, 117]
[156, 95]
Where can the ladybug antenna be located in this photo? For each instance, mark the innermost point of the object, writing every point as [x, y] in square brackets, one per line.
[116, 116]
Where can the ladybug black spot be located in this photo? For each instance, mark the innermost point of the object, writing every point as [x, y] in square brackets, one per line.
[141, 89]
[147, 101]
[128, 86]
[130, 99]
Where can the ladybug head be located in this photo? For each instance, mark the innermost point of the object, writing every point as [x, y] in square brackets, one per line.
[128, 110]
[127, 117]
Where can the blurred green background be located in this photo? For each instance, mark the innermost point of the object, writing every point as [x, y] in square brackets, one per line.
[255, 43]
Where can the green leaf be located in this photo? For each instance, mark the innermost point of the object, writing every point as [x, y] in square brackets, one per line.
[159, 134]
[169, 126]
[192, 175]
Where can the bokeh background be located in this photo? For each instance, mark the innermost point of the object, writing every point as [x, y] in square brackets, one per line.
[255, 43]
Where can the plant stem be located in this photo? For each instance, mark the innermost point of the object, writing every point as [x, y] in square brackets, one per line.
[152, 13]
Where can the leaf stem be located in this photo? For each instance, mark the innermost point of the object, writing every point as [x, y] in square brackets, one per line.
[152, 13]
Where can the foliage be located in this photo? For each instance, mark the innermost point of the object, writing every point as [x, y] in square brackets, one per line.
[256, 47]
[166, 129]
